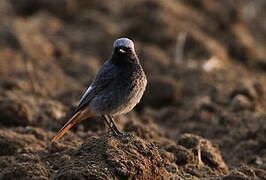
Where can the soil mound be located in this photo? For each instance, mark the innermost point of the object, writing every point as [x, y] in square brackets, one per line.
[201, 117]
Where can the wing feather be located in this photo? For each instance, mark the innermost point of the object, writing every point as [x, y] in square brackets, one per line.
[104, 77]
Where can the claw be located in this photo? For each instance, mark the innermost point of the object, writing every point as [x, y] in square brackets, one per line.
[122, 134]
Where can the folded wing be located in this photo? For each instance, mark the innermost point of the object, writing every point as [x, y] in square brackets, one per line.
[104, 77]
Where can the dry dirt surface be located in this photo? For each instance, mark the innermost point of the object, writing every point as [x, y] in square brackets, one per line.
[201, 117]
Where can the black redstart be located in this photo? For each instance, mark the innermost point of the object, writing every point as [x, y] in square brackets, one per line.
[116, 89]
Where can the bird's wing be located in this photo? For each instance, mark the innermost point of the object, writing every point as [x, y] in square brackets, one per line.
[104, 77]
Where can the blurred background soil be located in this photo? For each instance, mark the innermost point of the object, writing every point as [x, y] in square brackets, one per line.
[202, 115]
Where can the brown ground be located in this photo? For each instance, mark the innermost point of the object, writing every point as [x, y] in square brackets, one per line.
[202, 116]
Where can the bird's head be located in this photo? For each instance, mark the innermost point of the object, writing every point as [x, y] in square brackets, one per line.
[123, 50]
[123, 46]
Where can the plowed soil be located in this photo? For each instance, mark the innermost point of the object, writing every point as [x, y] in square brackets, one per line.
[202, 115]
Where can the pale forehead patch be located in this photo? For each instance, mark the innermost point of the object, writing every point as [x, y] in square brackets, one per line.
[124, 42]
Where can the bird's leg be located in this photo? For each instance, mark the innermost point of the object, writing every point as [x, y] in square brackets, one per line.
[113, 124]
[106, 118]
[118, 133]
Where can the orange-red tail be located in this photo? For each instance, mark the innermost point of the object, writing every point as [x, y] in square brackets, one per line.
[79, 116]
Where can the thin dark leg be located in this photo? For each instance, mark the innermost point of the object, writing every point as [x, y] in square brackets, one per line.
[118, 133]
[113, 124]
[106, 118]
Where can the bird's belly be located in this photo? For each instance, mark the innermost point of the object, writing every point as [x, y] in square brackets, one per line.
[117, 101]
[128, 106]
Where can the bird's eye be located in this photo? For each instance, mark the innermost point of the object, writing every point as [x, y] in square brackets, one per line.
[123, 49]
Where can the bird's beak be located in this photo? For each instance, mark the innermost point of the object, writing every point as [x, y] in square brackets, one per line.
[122, 50]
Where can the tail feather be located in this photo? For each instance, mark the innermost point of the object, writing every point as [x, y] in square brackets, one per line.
[78, 116]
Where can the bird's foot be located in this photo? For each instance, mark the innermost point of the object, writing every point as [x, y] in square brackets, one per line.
[122, 134]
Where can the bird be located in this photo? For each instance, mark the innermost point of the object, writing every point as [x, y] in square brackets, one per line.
[116, 89]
